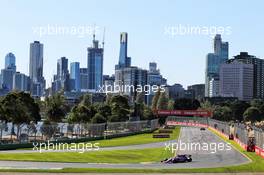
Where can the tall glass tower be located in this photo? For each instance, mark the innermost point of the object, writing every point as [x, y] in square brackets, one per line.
[95, 66]
[123, 50]
[10, 62]
[214, 60]
[75, 75]
[220, 48]
[36, 69]
[124, 60]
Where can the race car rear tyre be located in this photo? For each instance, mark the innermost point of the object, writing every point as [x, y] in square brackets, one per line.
[189, 160]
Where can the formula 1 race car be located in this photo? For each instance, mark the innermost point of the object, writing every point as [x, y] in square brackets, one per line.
[178, 159]
[202, 129]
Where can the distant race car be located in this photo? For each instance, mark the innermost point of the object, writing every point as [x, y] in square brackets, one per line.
[202, 129]
[178, 159]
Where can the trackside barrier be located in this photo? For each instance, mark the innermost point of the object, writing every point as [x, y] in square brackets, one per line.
[242, 145]
[219, 132]
[11, 137]
[186, 124]
[222, 128]
[259, 151]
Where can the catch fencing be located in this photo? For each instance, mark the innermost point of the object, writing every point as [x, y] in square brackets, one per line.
[10, 134]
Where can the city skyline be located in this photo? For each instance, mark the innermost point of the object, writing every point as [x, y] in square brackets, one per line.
[146, 31]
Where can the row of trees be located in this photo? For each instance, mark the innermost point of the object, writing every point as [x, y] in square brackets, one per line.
[20, 109]
[161, 101]
[252, 111]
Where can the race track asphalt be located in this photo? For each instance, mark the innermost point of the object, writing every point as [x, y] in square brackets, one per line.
[202, 158]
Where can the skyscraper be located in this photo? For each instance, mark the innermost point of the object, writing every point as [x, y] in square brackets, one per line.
[213, 62]
[10, 61]
[62, 78]
[6, 79]
[84, 79]
[220, 48]
[258, 72]
[75, 75]
[62, 67]
[130, 78]
[95, 65]
[36, 69]
[124, 60]
[154, 79]
[21, 82]
[198, 90]
[236, 80]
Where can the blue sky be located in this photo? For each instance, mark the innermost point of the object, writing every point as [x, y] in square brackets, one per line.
[181, 58]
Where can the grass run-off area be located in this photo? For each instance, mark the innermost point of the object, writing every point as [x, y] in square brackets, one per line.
[136, 139]
[257, 165]
[132, 140]
[110, 156]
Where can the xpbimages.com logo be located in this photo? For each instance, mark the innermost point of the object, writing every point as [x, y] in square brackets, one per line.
[65, 147]
[193, 146]
[79, 31]
[186, 29]
[117, 88]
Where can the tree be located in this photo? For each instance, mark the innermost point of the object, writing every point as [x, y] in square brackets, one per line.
[184, 103]
[104, 110]
[93, 109]
[222, 113]
[139, 105]
[114, 118]
[140, 99]
[108, 98]
[3, 119]
[86, 100]
[3, 116]
[147, 114]
[155, 100]
[20, 108]
[31, 105]
[163, 101]
[261, 110]
[251, 114]
[98, 118]
[207, 106]
[238, 108]
[120, 108]
[195, 104]
[55, 108]
[256, 103]
[171, 104]
[48, 129]
[79, 114]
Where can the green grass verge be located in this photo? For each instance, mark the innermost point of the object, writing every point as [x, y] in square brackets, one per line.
[136, 139]
[113, 156]
[257, 165]
[132, 140]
